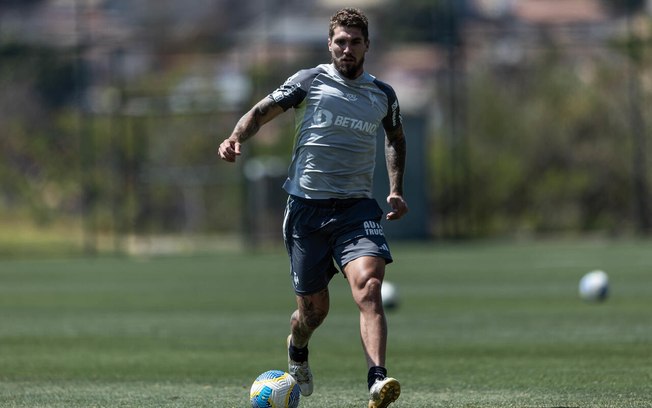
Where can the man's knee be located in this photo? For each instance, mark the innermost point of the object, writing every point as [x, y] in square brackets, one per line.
[365, 277]
[368, 296]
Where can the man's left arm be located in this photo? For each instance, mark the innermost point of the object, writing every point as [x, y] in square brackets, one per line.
[395, 152]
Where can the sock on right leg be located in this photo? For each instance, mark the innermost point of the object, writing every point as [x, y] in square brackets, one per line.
[298, 354]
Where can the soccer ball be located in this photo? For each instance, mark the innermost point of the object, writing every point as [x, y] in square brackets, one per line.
[594, 286]
[274, 389]
[389, 294]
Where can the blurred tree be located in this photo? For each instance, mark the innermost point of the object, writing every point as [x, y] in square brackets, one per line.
[549, 151]
[435, 21]
[50, 72]
[625, 6]
[19, 3]
[38, 145]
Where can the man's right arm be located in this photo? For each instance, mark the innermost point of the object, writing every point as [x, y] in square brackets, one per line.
[248, 125]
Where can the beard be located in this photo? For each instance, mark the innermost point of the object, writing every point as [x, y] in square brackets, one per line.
[347, 69]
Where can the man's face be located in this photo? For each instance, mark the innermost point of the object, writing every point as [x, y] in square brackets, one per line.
[348, 48]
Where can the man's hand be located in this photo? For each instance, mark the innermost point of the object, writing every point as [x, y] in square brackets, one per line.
[229, 150]
[398, 205]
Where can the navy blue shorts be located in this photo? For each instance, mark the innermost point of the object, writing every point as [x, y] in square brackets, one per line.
[322, 233]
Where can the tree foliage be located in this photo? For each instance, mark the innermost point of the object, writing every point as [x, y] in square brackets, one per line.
[548, 151]
[546, 144]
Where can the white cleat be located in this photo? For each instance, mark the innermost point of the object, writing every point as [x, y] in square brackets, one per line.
[384, 392]
[300, 372]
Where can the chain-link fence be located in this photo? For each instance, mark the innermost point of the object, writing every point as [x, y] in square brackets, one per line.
[522, 122]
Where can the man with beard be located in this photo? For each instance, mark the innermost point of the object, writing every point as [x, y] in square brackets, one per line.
[331, 218]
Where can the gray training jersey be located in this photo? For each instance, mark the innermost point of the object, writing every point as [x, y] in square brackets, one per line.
[337, 120]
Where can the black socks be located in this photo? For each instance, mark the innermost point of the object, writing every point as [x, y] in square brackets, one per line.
[298, 354]
[376, 373]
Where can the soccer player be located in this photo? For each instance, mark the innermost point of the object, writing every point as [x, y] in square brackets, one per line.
[331, 218]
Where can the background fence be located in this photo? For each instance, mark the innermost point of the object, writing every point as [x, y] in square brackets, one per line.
[523, 118]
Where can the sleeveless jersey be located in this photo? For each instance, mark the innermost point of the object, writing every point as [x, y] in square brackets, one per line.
[336, 124]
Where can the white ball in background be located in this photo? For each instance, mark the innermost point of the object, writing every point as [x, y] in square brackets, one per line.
[594, 286]
[389, 294]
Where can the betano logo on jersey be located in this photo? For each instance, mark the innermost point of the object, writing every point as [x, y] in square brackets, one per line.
[325, 118]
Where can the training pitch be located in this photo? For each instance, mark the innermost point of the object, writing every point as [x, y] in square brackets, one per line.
[479, 325]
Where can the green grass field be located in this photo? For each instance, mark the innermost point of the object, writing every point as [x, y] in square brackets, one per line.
[480, 325]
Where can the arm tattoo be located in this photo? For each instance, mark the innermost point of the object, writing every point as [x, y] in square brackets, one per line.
[395, 152]
[250, 123]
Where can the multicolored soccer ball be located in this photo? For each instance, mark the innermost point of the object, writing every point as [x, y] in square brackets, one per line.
[274, 389]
